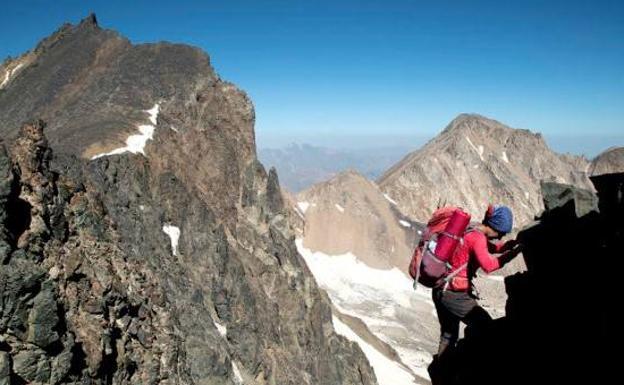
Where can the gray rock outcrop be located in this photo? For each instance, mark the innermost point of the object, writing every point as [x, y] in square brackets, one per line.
[610, 161]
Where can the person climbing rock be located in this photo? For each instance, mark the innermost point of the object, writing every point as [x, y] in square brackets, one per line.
[456, 302]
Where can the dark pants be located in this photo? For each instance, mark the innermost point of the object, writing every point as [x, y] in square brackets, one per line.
[453, 307]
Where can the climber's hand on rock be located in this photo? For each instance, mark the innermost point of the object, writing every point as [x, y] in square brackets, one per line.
[510, 244]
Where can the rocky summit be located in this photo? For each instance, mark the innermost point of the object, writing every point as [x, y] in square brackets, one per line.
[476, 160]
[141, 241]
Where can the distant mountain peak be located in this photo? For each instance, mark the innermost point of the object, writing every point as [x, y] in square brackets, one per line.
[466, 121]
[350, 174]
[476, 160]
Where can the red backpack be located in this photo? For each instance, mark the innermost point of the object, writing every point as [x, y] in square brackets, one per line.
[444, 233]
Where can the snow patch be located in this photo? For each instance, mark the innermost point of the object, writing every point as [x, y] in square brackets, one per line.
[355, 282]
[479, 150]
[504, 157]
[153, 112]
[9, 74]
[299, 212]
[389, 312]
[388, 372]
[526, 195]
[238, 379]
[136, 143]
[174, 233]
[340, 208]
[405, 223]
[418, 360]
[303, 206]
[476, 166]
[221, 328]
[419, 232]
[174, 129]
[390, 199]
[369, 294]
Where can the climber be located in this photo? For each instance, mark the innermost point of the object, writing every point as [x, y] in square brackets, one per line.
[456, 301]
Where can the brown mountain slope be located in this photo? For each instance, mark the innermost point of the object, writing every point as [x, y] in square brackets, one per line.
[349, 214]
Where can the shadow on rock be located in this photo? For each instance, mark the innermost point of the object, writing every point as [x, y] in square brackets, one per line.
[559, 323]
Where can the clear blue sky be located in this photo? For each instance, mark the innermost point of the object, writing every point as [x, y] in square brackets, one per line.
[382, 71]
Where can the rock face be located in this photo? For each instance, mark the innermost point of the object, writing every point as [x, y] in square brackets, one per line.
[350, 214]
[171, 265]
[609, 162]
[547, 313]
[474, 161]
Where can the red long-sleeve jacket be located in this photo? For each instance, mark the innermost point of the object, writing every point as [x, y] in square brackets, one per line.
[475, 250]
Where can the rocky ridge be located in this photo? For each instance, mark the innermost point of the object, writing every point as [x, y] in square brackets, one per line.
[174, 264]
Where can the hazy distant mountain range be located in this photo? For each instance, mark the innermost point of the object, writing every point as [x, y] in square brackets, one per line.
[299, 166]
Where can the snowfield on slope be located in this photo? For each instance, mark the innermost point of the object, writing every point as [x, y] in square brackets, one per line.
[9, 75]
[388, 372]
[384, 300]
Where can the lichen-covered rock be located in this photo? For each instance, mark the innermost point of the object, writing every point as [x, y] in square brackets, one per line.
[557, 195]
[5, 368]
[43, 318]
[32, 365]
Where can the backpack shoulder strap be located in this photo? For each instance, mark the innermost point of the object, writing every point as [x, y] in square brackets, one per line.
[452, 274]
[472, 227]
